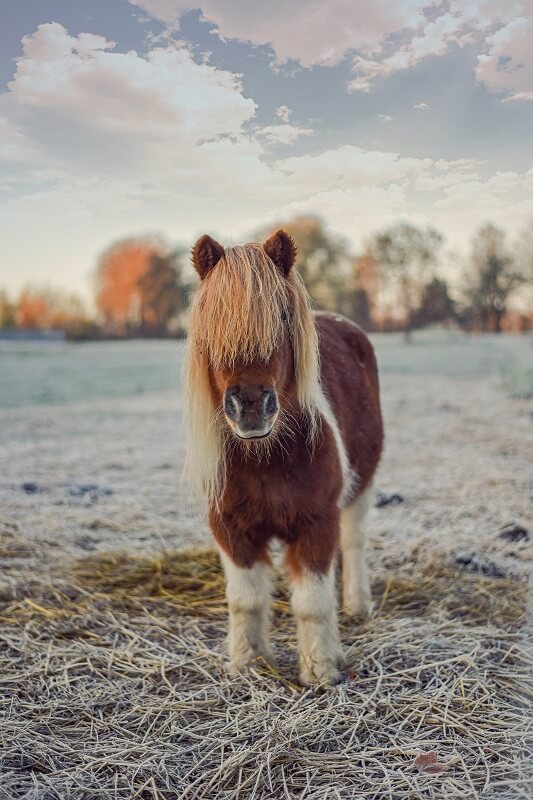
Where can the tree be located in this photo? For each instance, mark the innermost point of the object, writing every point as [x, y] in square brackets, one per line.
[118, 293]
[365, 298]
[162, 293]
[33, 310]
[44, 307]
[524, 253]
[493, 276]
[7, 311]
[404, 254]
[436, 305]
[361, 311]
[323, 261]
[524, 257]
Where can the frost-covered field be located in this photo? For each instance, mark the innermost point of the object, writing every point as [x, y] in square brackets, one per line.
[90, 453]
[92, 444]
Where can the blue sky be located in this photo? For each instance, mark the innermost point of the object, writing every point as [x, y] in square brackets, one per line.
[125, 117]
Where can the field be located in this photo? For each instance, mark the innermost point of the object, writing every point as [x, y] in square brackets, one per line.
[112, 614]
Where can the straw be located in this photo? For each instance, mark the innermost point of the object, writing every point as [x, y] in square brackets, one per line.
[113, 685]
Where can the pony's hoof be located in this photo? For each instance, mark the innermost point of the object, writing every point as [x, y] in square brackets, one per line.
[325, 674]
[340, 660]
[359, 608]
[250, 659]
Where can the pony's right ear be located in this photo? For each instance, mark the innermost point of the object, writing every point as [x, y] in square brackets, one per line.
[206, 254]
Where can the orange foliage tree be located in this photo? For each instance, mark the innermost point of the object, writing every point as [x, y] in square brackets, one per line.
[33, 311]
[44, 308]
[119, 270]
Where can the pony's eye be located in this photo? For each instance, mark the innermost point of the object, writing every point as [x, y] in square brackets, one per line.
[284, 316]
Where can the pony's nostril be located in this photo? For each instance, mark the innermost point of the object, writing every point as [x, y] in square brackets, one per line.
[232, 406]
[270, 404]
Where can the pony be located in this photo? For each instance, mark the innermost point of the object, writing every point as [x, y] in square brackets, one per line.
[284, 436]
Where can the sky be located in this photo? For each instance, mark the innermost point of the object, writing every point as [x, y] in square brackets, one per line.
[130, 117]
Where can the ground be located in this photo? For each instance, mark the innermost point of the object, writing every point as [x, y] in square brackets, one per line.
[112, 665]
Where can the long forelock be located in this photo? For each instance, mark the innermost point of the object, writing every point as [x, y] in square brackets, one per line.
[239, 308]
[238, 315]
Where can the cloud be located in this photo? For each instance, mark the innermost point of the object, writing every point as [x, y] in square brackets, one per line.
[164, 93]
[385, 118]
[380, 36]
[422, 106]
[98, 144]
[431, 38]
[283, 113]
[310, 31]
[283, 134]
[507, 66]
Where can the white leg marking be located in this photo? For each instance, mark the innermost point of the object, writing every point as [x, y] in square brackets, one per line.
[315, 608]
[349, 477]
[356, 594]
[248, 594]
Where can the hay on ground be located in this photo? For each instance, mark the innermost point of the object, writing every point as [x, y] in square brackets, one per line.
[112, 685]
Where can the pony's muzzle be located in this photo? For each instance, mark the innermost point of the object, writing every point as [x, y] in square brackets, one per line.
[251, 411]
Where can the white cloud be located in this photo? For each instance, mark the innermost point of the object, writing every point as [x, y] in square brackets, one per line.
[422, 106]
[347, 167]
[283, 134]
[507, 66]
[167, 92]
[431, 38]
[304, 32]
[96, 144]
[385, 118]
[283, 113]
[104, 144]
[309, 31]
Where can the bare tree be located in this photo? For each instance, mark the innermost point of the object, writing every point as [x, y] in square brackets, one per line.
[494, 274]
[405, 254]
[7, 311]
[323, 261]
[436, 305]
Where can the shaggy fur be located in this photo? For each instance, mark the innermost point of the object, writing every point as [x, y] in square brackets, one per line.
[239, 313]
[253, 336]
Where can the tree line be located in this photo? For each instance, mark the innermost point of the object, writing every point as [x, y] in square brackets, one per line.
[141, 286]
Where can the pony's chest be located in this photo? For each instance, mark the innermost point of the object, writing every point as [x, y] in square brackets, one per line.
[276, 495]
[272, 495]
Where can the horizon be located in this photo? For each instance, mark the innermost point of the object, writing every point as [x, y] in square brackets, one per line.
[160, 117]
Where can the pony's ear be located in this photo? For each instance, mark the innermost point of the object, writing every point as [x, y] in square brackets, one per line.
[281, 249]
[206, 254]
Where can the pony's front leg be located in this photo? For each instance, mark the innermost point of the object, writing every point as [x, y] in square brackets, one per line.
[314, 605]
[248, 592]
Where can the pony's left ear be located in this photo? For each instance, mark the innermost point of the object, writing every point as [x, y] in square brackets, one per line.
[206, 254]
[281, 249]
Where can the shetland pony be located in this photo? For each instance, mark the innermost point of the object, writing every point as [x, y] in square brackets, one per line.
[285, 435]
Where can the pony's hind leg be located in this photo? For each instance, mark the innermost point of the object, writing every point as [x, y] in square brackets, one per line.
[356, 594]
[248, 593]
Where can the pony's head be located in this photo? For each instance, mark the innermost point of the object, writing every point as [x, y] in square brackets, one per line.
[252, 358]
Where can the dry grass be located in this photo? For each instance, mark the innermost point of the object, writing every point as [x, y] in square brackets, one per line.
[112, 685]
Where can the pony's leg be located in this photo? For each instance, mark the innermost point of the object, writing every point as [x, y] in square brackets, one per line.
[356, 594]
[314, 605]
[248, 593]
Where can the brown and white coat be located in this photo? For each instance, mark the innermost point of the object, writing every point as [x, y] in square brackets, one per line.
[285, 437]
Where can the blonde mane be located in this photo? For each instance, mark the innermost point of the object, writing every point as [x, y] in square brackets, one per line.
[238, 314]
